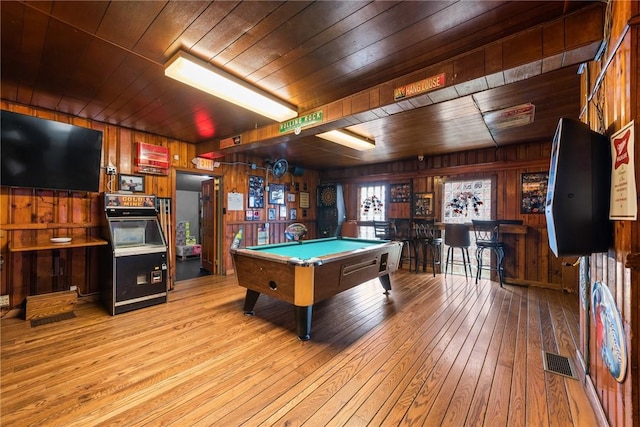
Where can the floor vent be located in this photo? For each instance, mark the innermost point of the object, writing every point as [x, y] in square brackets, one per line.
[560, 365]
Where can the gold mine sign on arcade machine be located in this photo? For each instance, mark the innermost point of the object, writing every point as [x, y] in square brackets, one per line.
[135, 259]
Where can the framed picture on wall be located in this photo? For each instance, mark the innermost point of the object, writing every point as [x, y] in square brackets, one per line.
[534, 192]
[400, 193]
[293, 213]
[276, 194]
[134, 183]
[272, 214]
[422, 205]
[304, 200]
[256, 192]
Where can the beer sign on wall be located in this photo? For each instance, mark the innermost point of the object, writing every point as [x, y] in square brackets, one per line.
[624, 203]
[153, 159]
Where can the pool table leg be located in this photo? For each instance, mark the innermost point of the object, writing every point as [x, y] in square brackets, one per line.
[385, 280]
[303, 322]
[250, 302]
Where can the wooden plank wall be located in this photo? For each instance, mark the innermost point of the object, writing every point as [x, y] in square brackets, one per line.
[236, 171]
[529, 260]
[533, 263]
[25, 213]
[612, 87]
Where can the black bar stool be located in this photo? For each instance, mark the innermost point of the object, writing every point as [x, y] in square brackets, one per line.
[404, 234]
[428, 238]
[383, 230]
[457, 236]
[487, 235]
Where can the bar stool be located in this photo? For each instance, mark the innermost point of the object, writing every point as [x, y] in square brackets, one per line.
[383, 230]
[457, 236]
[404, 234]
[488, 237]
[427, 238]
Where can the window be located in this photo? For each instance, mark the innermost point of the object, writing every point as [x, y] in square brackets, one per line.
[462, 202]
[372, 206]
[467, 200]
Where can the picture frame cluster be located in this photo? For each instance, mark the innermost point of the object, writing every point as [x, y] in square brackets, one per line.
[278, 195]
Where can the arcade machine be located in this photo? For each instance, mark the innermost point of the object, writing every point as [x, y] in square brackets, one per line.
[135, 259]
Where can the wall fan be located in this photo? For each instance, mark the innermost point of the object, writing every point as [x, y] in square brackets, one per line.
[278, 168]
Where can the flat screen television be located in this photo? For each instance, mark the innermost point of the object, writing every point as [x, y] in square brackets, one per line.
[45, 154]
[577, 202]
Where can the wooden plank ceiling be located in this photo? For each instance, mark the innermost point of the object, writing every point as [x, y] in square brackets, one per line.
[105, 61]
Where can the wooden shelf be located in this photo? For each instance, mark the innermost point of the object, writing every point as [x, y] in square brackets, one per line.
[47, 226]
[44, 243]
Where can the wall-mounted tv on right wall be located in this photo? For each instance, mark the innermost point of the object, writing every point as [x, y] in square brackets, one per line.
[577, 202]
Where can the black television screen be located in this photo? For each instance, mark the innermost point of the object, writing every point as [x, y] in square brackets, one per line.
[45, 154]
[577, 203]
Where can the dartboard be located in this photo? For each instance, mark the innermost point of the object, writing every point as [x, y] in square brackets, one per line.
[328, 196]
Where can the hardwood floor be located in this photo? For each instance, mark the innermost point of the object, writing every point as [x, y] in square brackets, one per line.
[435, 352]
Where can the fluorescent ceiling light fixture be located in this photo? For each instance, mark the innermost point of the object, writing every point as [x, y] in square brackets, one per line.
[201, 75]
[506, 118]
[348, 139]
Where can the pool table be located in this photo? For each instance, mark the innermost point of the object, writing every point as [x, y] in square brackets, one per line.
[308, 271]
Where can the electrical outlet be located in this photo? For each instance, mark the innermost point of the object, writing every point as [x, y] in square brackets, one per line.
[73, 288]
[111, 170]
[4, 300]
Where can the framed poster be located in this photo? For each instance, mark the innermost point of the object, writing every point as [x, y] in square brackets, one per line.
[304, 200]
[134, 183]
[422, 205]
[293, 213]
[276, 194]
[256, 192]
[400, 193]
[624, 201]
[272, 214]
[534, 192]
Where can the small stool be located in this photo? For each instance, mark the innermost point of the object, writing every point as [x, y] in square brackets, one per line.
[457, 236]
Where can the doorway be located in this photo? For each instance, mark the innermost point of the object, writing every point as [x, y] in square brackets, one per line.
[195, 240]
